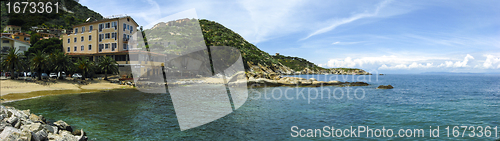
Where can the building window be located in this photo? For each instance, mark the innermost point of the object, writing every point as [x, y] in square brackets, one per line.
[76, 30]
[82, 38]
[75, 40]
[101, 26]
[7, 41]
[106, 46]
[125, 46]
[83, 29]
[90, 47]
[121, 58]
[124, 26]
[106, 36]
[113, 35]
[22, 48]
[100, 37]
[81, 48]
[69, 50]
[115, 25]
[90, 37]
[91, 27]
[69, 40]
[74, 49]
[101, 46]
[131, 29]
[108, 25]
[113, 46]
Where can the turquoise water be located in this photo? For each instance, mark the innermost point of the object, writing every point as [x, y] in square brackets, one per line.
[416, 102]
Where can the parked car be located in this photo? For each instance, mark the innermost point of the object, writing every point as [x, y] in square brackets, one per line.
[77, 75]
[62, 74]
[45, 76]
[53, 75]
[7, 74]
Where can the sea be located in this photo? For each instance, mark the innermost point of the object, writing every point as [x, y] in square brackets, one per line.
[420, 107]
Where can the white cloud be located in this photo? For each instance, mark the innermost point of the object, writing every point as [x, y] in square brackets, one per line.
[382, 60]
[490, 61]
[345, 43]
[413, 65]
[350, 19]
[457, 64]
[402, 62]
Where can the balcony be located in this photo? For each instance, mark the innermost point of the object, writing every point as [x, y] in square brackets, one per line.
[125, 40]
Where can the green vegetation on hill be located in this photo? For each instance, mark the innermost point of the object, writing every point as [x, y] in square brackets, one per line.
[75, 14]
[296, 63]
[216, 34]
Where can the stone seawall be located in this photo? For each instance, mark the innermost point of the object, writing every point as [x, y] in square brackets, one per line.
[21, 125]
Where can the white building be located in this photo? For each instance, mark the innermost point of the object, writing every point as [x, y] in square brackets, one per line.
[8, 43]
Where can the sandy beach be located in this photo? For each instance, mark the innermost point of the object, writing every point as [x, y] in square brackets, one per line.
[12, 90]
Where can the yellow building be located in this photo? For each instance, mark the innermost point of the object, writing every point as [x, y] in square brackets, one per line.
[100, 37]
[107, 37]
[21, 36]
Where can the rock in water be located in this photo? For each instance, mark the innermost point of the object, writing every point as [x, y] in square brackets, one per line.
[312, 79]
[385, 87]
[63, 126]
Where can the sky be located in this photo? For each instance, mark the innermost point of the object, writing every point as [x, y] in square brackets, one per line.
[380, 36]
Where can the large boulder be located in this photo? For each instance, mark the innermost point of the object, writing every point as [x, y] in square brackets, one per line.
[35, 118]
[14, 134]
[63, 126]
[13, 120]
[41, 135]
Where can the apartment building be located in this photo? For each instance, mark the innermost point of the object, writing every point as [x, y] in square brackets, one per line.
[12, 29]
[21, 36]
[8, 43]
[107, 37]
[100, 38]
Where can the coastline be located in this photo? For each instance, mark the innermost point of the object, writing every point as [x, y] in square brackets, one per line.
[15, 90]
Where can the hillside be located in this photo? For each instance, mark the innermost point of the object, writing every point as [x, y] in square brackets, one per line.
[296, 63]
[70, 13]
[182, 32]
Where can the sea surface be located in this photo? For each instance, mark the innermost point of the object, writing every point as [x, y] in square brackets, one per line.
[420, 101]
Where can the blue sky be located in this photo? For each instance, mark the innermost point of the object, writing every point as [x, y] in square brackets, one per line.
[384, 36]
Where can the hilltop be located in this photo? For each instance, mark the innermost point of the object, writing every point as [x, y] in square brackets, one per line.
[70, 13]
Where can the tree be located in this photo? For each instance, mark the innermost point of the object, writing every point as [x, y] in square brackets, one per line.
[47, 45]
[35, 37]
[107, 64]
[84, 65]
[39, 62]
[60, 62]
[12, 61]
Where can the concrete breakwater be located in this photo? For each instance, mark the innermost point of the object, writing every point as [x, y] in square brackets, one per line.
[21, 125]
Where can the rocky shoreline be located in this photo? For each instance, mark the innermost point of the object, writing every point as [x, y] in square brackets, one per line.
[279, 69]
[21, 125]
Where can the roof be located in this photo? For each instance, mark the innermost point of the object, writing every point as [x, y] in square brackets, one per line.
[104, 20]
[23, 34]
[23, 42]
[13, 25]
